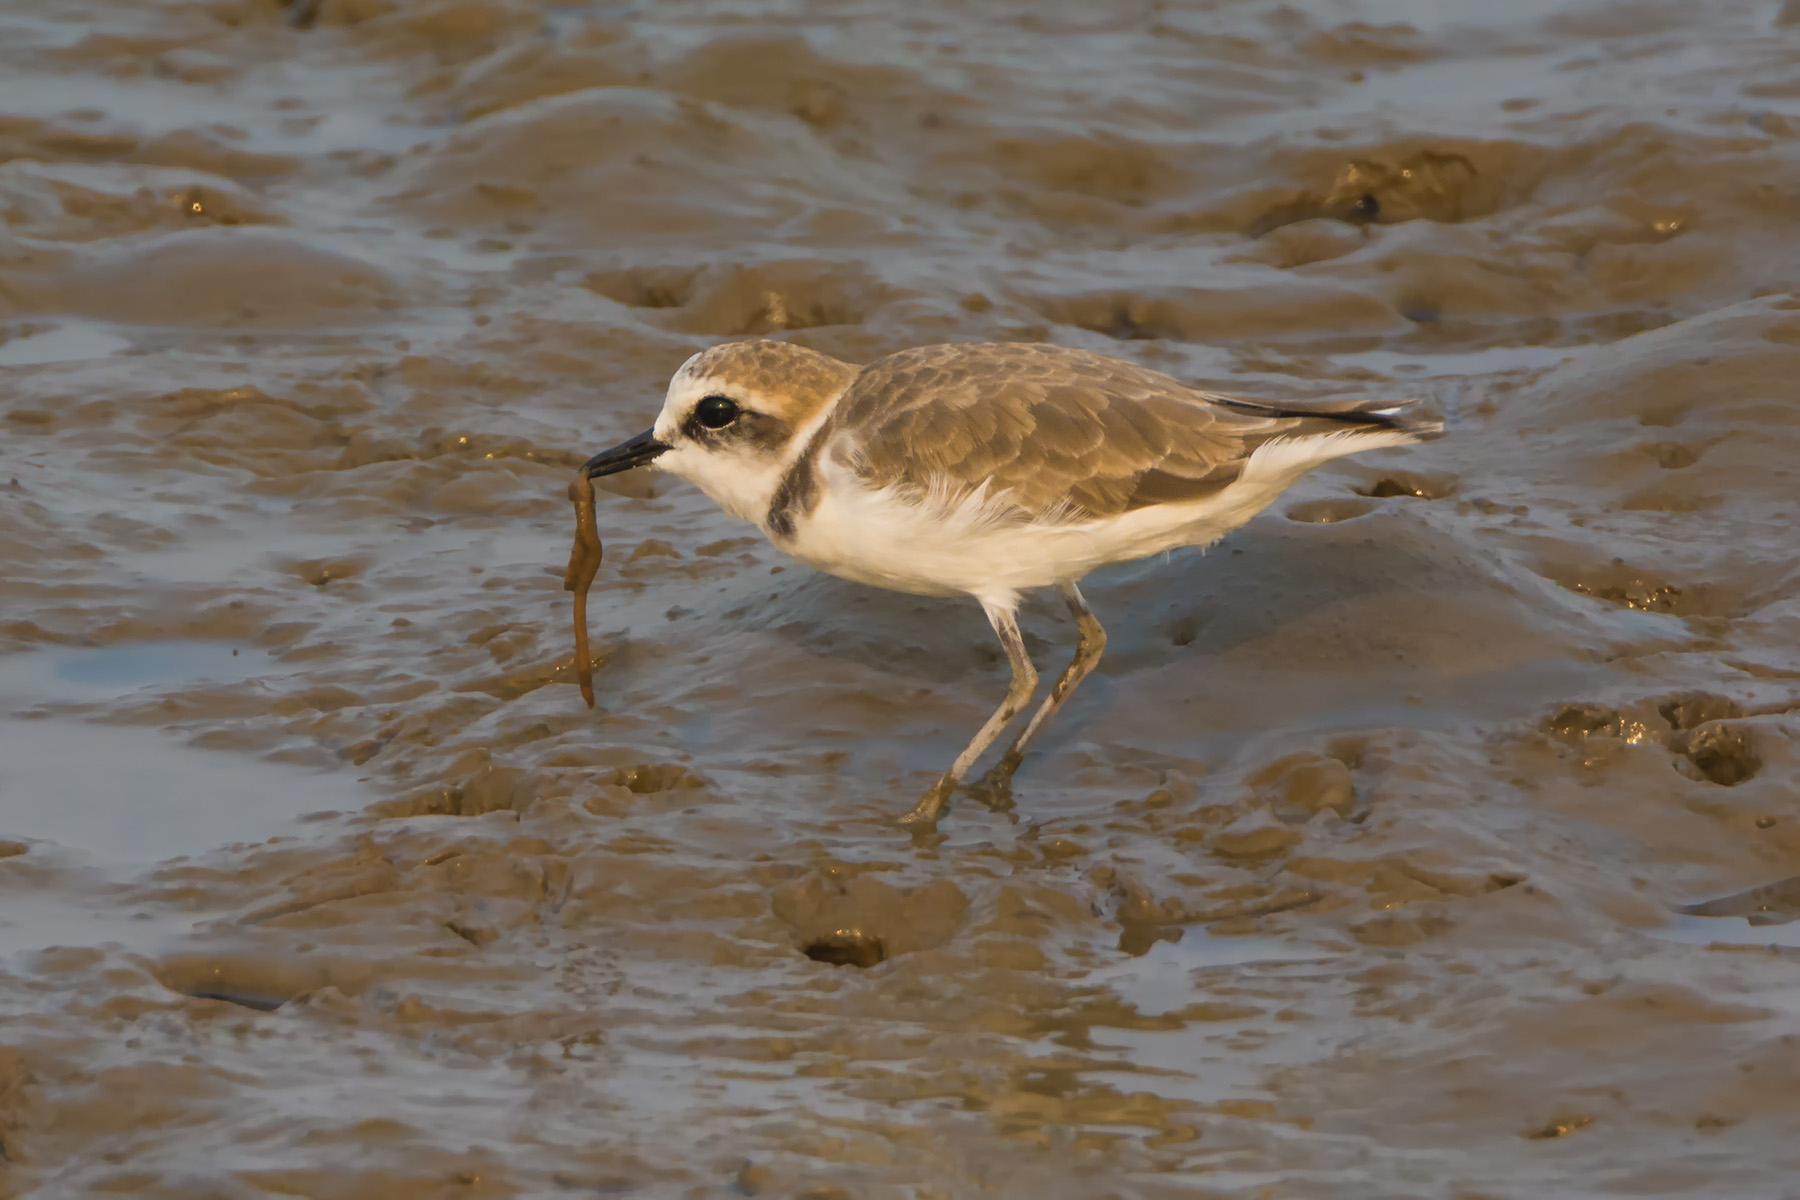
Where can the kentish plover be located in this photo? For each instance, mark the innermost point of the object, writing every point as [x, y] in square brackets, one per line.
[987, 470]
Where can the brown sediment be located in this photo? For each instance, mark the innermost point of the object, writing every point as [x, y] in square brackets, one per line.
[584, 561]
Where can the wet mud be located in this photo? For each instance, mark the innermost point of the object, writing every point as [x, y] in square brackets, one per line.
[1434, 835]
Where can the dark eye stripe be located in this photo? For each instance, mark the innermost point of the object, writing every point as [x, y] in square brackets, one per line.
[745, 427]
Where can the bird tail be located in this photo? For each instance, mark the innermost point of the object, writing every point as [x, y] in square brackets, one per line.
[1417, 417]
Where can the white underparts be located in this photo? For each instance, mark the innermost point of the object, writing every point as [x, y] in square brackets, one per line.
[977, 543]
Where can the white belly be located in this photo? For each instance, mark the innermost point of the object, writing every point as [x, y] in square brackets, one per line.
[944, 547]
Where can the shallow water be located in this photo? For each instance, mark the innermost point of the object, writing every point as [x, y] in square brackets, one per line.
[127, 796]
[1433, 835]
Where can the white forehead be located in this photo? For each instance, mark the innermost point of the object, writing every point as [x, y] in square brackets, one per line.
[685, 387]
[688, 383]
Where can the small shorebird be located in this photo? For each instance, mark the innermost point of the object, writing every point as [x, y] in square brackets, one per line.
[986, 470]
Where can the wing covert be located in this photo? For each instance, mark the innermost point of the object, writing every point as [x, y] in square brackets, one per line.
[1062, 433]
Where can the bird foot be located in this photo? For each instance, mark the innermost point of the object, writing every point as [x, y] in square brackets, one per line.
[926, 812]
[995, 790]
[997, 783]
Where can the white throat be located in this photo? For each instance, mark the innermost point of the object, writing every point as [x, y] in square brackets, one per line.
[741, 486]
[740, 479]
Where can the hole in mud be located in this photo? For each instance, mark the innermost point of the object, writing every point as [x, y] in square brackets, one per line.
[261, 982]
[201, 206]
[1300, 786]
[1641, 594]
[846, 948]
[1618, 582]
[649, 778]
[1720, 753]
[1401, 483]
[1420, 311]
[260, 1003]
[1560, 1128]
[638, 288]
[1673, 456]
[320, 572]
[1429, 185]
[659, 297]
[1132, 318]
[1690, 710]
[1138, 940]
[1127, 326]
[303, 14]
[1583, 720]
[1327, 512]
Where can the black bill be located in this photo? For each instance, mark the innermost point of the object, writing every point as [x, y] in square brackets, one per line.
[624, 456]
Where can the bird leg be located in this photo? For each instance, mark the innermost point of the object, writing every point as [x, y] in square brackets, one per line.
[1024, 683]
[1089, 647]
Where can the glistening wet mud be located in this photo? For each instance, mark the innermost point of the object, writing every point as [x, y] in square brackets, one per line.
[1433, 835]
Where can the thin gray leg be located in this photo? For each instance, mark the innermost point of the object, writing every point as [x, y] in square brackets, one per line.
[1024, 682]
[1088, 649]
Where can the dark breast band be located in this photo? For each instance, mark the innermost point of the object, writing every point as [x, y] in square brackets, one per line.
[798, 493]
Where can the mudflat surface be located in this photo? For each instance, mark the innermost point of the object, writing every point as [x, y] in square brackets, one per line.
[1430, 837]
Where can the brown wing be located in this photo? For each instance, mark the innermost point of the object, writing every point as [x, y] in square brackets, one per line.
[1060, 431]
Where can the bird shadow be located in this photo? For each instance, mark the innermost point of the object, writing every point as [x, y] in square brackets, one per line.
[1238, 594]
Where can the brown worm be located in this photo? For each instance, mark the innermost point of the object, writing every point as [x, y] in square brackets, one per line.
[584, 560]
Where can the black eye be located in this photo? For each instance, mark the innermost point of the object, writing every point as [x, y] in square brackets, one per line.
[716, 412]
